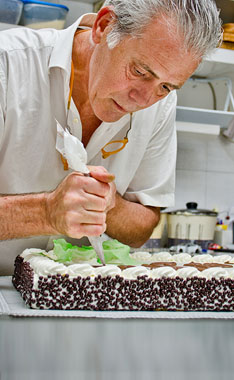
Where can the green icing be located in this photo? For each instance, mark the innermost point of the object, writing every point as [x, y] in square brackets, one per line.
[114, 252]
[67, 252]
[117, 253]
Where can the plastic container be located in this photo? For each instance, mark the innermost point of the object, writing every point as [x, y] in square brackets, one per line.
[10, 11]
[40, 14]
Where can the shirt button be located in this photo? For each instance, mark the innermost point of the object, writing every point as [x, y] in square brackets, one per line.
[75, 120]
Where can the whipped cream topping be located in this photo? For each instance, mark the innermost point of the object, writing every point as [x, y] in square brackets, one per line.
[163, 272]
[44, 266]
[142, 256]
[200, 259]
[222, 259]
[83, 270]
[134, 272]
[31, 252]
[182, 258]
[187, 272]
[161, 256]
[215, 272]
[108, 270]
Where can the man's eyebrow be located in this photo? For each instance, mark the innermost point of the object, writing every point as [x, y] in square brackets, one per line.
[147, 68]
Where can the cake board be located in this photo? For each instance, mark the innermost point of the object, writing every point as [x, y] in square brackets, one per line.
[11, 304]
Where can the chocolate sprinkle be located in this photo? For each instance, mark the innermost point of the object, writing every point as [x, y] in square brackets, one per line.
[117, 293]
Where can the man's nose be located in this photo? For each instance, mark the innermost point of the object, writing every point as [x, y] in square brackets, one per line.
[142, 95]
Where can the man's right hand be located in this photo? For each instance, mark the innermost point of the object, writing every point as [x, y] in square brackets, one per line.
[78, 206]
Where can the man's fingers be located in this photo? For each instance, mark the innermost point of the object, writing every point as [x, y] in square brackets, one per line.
[101, 174]
[85, 217]
[90, 185]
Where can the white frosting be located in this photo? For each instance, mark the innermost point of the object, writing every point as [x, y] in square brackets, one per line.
[230, 272]
[83, 270]
[182, 258]
[108, 270]
[142, 256]
[43, 266]
[31, 252]
[163, 272]
[134, 272]
[161, 256]
[214, 272]
[203, 259]
[187, 272]
[222, 259]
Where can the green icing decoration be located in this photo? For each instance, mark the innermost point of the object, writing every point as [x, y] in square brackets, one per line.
[117, 253]
[114, 252]
[66, 252]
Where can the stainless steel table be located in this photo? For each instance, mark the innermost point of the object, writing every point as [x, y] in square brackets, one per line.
[179, 346]
[78, 348]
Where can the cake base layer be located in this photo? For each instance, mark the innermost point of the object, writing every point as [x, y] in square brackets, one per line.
[117, 293]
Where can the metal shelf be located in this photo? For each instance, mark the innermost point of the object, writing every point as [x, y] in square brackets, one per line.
[204, 116]
[220, 62]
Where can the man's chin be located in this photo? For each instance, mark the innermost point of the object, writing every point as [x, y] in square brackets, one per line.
[108, 117]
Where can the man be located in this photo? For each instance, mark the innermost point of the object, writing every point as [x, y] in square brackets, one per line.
[126, 69]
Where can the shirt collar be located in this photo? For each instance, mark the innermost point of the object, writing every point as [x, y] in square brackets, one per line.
[62, 53]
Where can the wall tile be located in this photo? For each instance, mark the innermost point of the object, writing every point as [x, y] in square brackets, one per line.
[220, 190]
[192, 151]
[220, 155]
[190, 186]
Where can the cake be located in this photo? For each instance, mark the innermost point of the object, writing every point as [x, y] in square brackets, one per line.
[72, 278]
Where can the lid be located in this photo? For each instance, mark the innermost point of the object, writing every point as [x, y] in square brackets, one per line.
[193, 210]
[45, 3]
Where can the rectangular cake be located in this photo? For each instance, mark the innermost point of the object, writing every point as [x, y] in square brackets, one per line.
[72, 278]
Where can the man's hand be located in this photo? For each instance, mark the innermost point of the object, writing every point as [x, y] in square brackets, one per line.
[78, 206]
[101, 174]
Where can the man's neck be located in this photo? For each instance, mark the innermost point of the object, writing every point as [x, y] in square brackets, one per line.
[81, 54]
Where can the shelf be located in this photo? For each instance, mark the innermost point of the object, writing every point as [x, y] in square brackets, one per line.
[218, 63]
[221, 56]
[205, 129]
[203, 116]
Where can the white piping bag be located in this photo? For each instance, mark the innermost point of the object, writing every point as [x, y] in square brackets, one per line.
[73, 150]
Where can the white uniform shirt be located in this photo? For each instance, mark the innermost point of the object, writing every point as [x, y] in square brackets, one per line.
[34, 86]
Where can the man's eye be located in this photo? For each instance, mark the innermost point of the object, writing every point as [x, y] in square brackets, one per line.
[138, 72]
[166, 88]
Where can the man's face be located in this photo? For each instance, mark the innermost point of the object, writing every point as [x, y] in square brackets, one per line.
[137, 72]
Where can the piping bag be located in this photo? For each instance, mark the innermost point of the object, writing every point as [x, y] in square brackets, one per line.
[73, 150]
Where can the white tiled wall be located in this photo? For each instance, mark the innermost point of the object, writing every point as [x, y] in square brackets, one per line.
[205, 171]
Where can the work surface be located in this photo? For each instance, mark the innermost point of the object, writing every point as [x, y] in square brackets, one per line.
[33, 348]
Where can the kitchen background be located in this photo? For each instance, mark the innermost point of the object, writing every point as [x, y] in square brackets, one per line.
[205, 162]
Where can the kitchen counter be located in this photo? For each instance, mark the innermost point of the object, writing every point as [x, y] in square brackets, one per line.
[175, 345]
[62, 348]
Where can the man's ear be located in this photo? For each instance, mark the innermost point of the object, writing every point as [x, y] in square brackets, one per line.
[105, 17]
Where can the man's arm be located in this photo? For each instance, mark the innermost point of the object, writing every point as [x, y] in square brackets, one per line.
[23, 216]
[76, 208]
[130, 222]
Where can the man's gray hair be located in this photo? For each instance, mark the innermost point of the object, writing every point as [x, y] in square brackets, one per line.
[197, 20]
